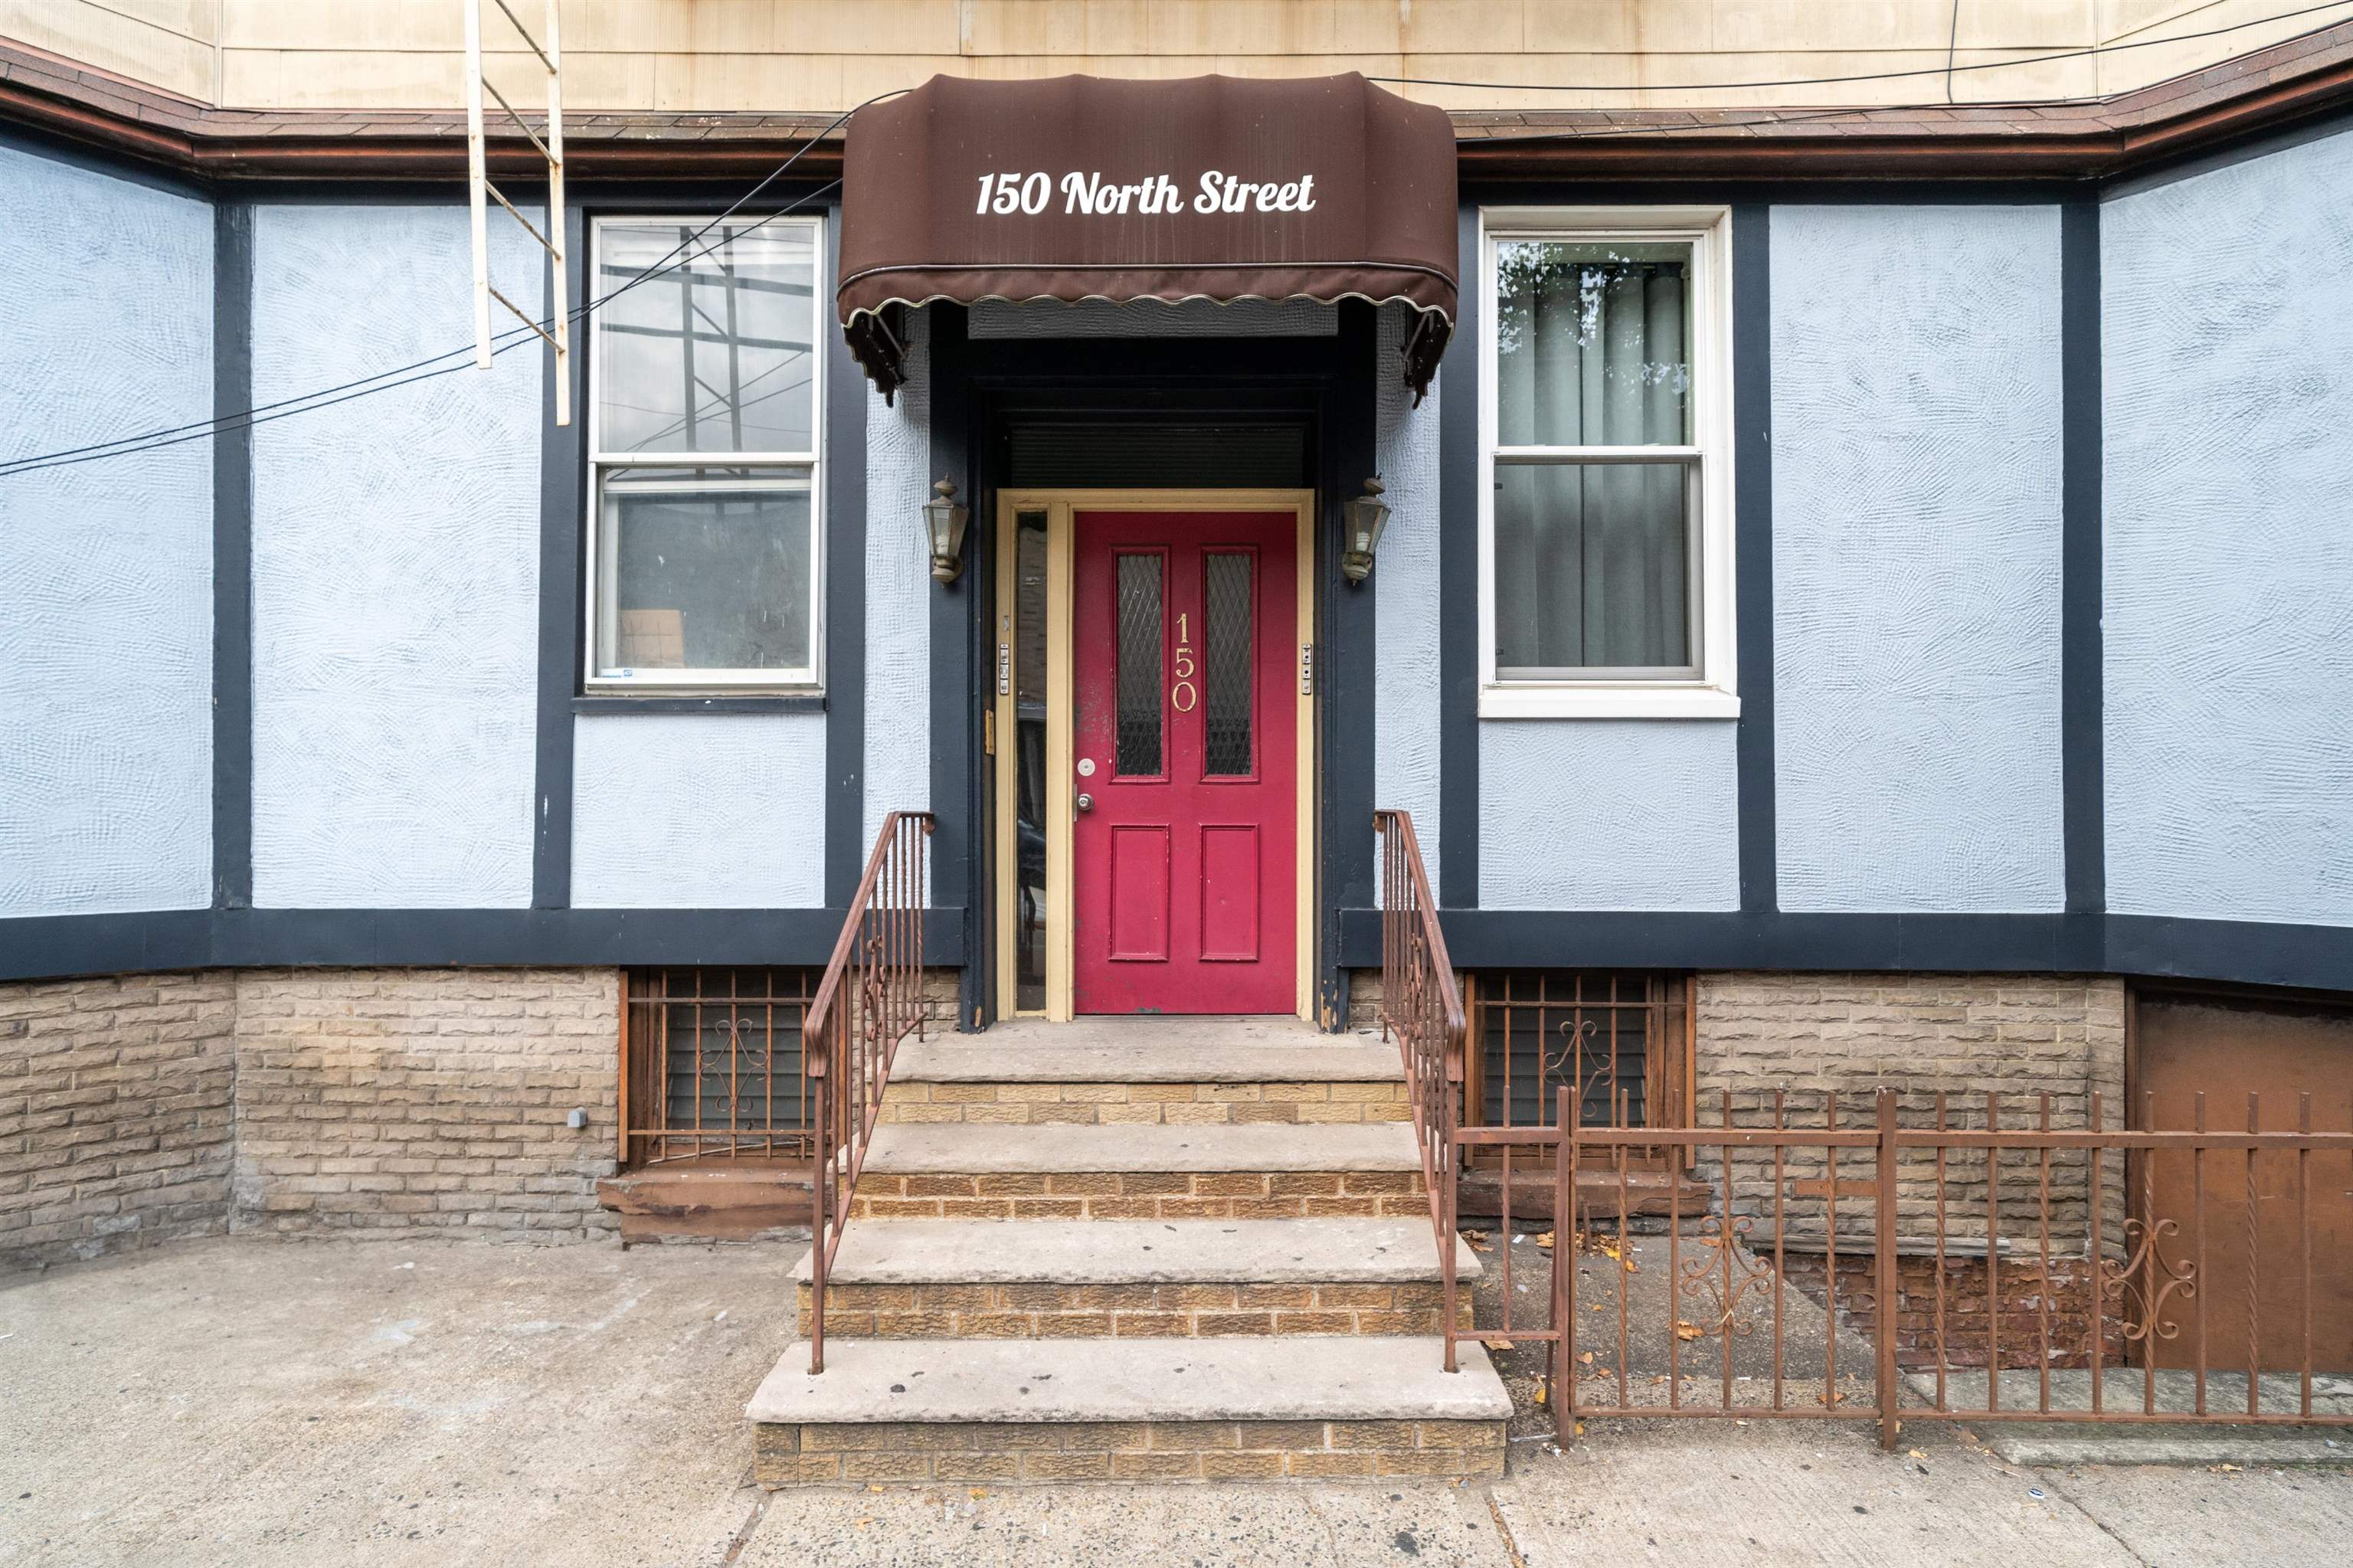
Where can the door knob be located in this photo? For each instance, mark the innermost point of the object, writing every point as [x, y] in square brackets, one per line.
[1086, 802]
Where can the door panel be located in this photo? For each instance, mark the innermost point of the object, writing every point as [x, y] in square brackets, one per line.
[1139, 895]
[1183, 742]
[2229, 1048]
[1230, 893]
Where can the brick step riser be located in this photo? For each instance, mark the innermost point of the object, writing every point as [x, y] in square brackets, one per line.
[1132, 1311]
[816, 1453]
[1143, 1105]
[1142, 1195]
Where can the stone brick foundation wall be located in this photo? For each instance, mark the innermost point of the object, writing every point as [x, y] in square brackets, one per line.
[351, 1102]
[1809, 1036]
[940, 996]
[115, 1113]
[2031, 1303]
[386, 1102]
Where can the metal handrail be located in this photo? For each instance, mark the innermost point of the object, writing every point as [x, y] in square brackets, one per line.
[1421, 1005]
[870, 999]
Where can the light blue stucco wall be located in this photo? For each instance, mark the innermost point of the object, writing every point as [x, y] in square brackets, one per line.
[1608, 814]
[396, 559]
[699, 811]
[899, 591]
[106, 324]
[1916, 557]
[1405, 585]
[2227, 346]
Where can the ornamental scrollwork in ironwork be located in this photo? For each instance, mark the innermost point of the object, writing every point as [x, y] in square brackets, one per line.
[1724, 1276]
[2141, 1282]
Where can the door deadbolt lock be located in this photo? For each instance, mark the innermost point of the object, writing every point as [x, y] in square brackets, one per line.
[1086, 802]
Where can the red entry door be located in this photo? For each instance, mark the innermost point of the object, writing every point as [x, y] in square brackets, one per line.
[1184, 742]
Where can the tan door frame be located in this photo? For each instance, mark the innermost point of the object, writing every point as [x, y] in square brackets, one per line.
[1060, 507]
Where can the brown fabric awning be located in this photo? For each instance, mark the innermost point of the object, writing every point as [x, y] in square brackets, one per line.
[1081, 187]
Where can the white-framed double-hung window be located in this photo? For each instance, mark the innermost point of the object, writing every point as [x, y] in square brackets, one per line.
[1604, 453]
[706, 412]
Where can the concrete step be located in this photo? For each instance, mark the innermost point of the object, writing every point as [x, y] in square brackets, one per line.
[1257, 1172]
[1148, 1070]
[1130, 1252]
[1126, 1278]
[1150, 1050]
[1038, 1150]
[964, 1410]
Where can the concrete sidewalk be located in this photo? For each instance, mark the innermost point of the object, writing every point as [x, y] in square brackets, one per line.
[246, 1402]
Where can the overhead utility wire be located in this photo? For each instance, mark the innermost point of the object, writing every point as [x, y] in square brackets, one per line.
[2096, 49]
[326, 397]
[368, 386]
[126, 445]
[661, 267]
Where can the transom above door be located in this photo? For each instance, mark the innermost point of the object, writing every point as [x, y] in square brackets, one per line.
[1154, 754]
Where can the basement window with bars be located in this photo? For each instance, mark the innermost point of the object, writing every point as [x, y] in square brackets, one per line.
[710, 1065]
[1620, 1039]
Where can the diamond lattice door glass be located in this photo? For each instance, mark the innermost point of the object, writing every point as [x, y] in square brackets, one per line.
[1226, 618]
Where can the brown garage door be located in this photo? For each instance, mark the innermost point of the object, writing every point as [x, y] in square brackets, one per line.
[2230, 1046]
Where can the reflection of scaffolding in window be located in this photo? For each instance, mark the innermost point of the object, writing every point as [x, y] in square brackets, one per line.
[480, 192]
[694, 388]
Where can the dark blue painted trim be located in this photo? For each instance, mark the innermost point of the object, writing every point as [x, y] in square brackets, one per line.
[845, 606]
[2082, 692]
[1496, 938]
[562, 474]
[1752, 504]
[957, 623]
[2242, 951]
[232, 557]
[1457, 584]
[2246, 952]
[51, 947]
[2250, 952]
[1345, 658]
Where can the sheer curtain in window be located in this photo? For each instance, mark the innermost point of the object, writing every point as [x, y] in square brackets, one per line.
[1592, 556]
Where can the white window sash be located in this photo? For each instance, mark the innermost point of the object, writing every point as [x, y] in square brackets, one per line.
[1712, 691]
[600, 604]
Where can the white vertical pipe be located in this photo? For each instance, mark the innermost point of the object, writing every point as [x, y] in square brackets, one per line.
[558, 232]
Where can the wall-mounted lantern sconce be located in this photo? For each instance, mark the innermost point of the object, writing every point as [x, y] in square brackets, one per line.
[1365, 516]
[944, 522]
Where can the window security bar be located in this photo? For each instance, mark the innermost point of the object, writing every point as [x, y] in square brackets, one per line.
[481, 192]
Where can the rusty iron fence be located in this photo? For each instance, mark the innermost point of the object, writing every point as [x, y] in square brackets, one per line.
[713, 1067]
[1687, 1343]
[1915, 1259]
[1905, 1255]
[870, 999]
